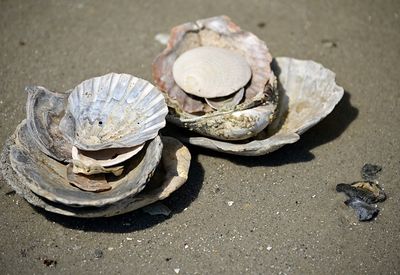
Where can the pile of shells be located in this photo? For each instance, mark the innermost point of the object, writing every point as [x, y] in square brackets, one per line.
[95, 150]
[223, 86]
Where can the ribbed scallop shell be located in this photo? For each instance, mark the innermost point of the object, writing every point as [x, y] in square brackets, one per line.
[113, 111]
[211, 72]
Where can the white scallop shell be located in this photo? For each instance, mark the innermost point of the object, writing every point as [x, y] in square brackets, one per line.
[308, 94]
[211, 72]
[113, 111]
[106, 157]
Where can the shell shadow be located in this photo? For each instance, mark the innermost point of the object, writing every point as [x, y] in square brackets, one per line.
[137, 220]
[325, 131]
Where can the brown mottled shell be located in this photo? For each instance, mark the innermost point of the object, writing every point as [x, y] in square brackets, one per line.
[218, 32]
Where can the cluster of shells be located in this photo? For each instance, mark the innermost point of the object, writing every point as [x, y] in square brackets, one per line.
[223, 86]
[95, 150]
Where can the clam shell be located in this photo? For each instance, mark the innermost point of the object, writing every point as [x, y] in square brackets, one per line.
[218, 32]
[113, 111]
[175, 161]
[106, 157]
[308, 94]
[226, 103]
[44, 110]
[211, 72]
[47, 178]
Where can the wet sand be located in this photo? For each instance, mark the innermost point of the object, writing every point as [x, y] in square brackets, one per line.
[286, 217]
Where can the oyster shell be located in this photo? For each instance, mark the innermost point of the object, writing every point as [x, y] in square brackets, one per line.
[44, 110]
[175, 162]
[211, 72]
[193, 112]
[308, 94]
[113, 111]
[47, 177]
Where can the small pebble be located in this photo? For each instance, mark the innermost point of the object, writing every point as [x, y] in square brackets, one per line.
[177, 270]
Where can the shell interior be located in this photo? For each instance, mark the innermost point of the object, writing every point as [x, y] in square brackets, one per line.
[44, 111]
[105, 157]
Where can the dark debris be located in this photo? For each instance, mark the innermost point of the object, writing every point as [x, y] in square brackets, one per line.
[370, 171]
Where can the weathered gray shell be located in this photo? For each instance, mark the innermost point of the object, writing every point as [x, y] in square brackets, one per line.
[308, 94]
[175, 162]
[113, 111]
[47, 177]
[193, 112]
[44, 110]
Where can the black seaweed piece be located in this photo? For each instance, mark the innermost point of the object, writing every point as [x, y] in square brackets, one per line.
[365, 211]
[370, 171]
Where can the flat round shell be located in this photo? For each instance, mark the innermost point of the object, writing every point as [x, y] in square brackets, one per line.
[211, 72]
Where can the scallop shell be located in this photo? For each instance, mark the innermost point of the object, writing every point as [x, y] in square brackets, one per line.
[113, 111]
[192, 112]
[175, 162]
[44, 111]
[47, 178]
[211, 72]
[308, 94]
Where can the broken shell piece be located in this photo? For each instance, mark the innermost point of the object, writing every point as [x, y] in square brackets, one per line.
[92, 183]
[113, 111]
[226, 102]
[365, 211]
[370, 171]
[44, 110]
[105, 157]
[367, 191]
[92, 168]
[211, 72]
[308, 93]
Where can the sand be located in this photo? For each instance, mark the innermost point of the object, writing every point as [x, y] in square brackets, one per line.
[275, 214]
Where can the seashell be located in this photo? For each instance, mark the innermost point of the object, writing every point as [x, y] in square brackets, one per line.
[175, 162]
[92, 168]
[105, 157]
[226, 102]
[193, 112]
[113, 111]
[308, 94]
[92, 183]
[211, 72]
[44, 111]
[47, 178]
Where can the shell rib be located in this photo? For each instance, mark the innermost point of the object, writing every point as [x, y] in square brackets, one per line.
[211, 72]
[113, 111]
